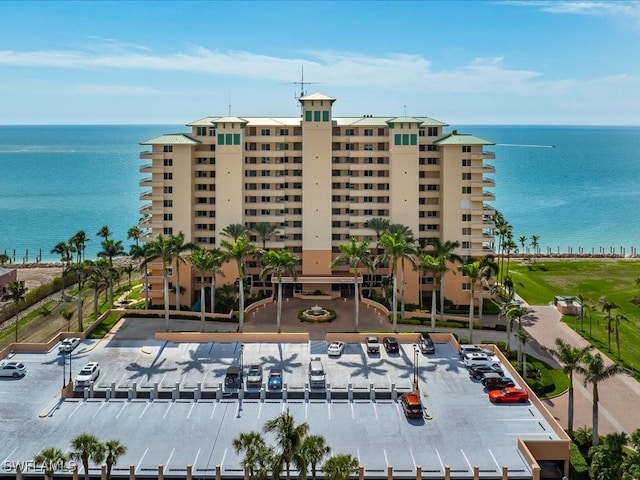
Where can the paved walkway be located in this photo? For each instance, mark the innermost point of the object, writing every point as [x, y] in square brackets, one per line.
[616, 412]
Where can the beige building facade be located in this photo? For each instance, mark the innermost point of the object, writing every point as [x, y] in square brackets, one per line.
[318, 179]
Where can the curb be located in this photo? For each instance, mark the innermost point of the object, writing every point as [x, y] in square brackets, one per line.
[53, 404]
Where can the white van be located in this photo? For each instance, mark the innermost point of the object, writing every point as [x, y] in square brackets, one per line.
[465, 349]
[316, 373]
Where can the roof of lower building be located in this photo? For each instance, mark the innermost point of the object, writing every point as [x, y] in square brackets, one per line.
[462, 139]
[172, 139]
[317, 96]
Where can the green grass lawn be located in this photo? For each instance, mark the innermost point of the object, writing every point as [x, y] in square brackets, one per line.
[540, 281]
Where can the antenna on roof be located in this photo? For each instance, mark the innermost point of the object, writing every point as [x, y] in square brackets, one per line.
[302, 83]
[229, 105]
[405, 110]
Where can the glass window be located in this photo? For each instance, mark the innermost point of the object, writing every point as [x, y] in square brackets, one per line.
[316, 116]
[308, 115]
[325, 116]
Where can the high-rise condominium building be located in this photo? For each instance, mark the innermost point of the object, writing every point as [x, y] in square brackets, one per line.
[318, 179]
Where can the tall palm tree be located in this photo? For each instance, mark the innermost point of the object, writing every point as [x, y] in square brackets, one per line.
[435, 265]
[380, 226]
[65, 251]
[114, 450]
[471, 270]
[51, 460]
[162, 248]
[67, 315]
[82, 270]
[278, 263]
[86, 448]
[264, 231]
[289, 436]
[523, 337]
[79, 241]
[134, 233]
[110, 249]
[514, 311]
[140, 253]
[179, 248]
[17, 292]
[104, 232]
[523, 242]
[595, 372]
[488, 269]
[535, 243]
[313, 449]
[445, 249]
[353, 254]
[502, 229]
[607, 306]
[395, 246]
[98, 278]
[340, 466]
[570, 359]
[617, 327]
[202, 260]
[235, 231]
[237, 251]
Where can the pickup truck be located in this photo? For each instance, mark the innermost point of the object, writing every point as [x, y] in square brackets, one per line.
[373, 344]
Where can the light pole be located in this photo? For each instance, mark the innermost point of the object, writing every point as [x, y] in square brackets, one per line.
[70, 366]
[241, 364]
[415, 367]
[64, 372]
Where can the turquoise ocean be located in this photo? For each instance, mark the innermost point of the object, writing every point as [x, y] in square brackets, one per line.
[574, 187]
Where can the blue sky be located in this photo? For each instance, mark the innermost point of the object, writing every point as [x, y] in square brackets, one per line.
[462, 62]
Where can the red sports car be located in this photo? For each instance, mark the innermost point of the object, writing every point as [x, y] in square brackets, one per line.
[411, 404]
[509, 394]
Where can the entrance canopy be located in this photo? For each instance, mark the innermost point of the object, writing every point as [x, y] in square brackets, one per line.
[306, 279]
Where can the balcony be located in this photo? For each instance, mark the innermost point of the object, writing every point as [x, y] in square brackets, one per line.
[489, 155]
[483, 197]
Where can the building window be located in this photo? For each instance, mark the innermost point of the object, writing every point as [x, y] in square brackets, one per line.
[201, 131]
[284, 131]
[167, 231]
[265, 146]
[466, 286]
[167, 149]
[368, 132]
[466, 217]
[466, 231]
[466, 148]
[432, 148]
[308, 116]
[433, 188]
[168, 217]
[466, 176]
[316, 115]
[432, 131]
[212, 131]
[349, 132]
[168, 189]
[466, 190]
[265, 132]
[168, 176]
[466, 162]
[168, 203]
[325, 116]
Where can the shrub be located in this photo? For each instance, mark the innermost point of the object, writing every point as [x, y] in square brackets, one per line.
[410, 321]
[578, 468]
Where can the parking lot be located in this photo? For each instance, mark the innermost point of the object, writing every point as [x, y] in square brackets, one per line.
[465, 429]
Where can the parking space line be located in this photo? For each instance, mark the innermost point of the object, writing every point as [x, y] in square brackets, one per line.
[224, 455]
[169, 459]
[75, 409]
[100, 408]
[168, 408]
[440, 460]
[386, 459]
[121, 379]
[375, 410]
[260, 409]
[184, 375]
[142, 458]
[329, 410]
[191, 409]
[123, 407]
[195, 460]
[145, 409]
[413, 459]
[466, 459]
[4, 462]
[494, 459]
[353, 413]
[162, 380]
[215, 405]
[306, 410]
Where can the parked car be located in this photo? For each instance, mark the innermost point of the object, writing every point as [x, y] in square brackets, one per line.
[88, 374]
[275, 379]
[12, 369]
[509, 395]
[316, 373]
[391, 344]
[335, 349]
[495, 381]
[479, 371]
[466, 349]
[373, 344]
[233, 377]
[411, 404]
[254, 375]
[426, 344]
[68, 345]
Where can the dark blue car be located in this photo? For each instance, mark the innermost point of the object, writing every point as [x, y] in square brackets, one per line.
[275, 379]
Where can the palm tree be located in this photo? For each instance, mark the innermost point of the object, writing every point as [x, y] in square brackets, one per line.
[569, 358]
[110, 249]
[202, 260]
[435, 265]
[380, 226]
[264, 231]
[503, 230]
[238, 250]
[607, 458]
[514, 311]
[278, 263]
[471, 270]
[607, 307]
[17, 292]
[488, 269]
[340, 466]
[86, 447]
[258, 456]
[65, 251]
[595, 372]
[289, 436]
[81, 269]
[98, 278]
[79, 241]
[353, 254]
[535, 245]
[104, 232]
[134, 233]
[523, 337]
[67, 315]
[313, 449]
[51, 459]
[235, 231]
[162, 248]
[394, 246]
[114, 450]
[523, 241]
[444, 249]
[617, 327]
[179, 247]
[141, 253]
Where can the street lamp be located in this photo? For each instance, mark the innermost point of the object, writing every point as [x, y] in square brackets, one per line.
[70, 366]
[241, 364]
[64, 372]
[415, 367]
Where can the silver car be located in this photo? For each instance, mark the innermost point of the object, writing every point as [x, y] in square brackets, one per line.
[12, 369]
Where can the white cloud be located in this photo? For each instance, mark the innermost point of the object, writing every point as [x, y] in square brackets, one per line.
[117, 90]
[626, 12]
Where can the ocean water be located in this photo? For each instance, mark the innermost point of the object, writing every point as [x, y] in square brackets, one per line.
[574, 187]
